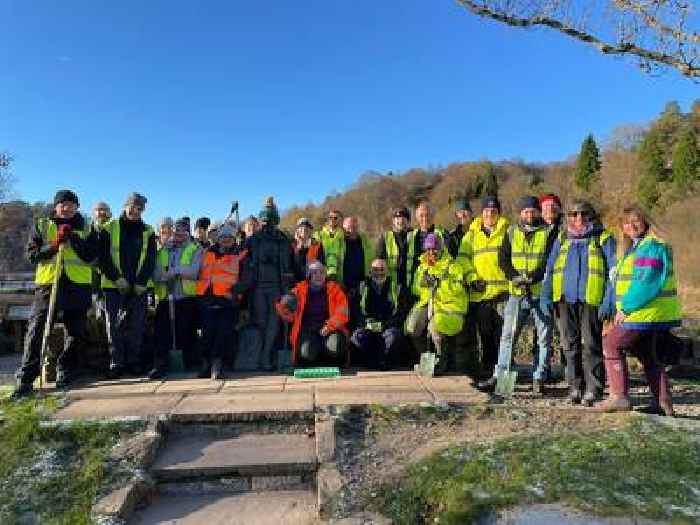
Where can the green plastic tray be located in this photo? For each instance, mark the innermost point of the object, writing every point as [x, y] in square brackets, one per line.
[321, 371]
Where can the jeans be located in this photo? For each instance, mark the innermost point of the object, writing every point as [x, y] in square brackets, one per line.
[518, 310]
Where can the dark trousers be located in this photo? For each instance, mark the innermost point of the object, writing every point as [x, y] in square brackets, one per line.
[126, 318]
[313, 346]
[466, 356]
[581, 339]
[74, 323]
[489, 319]
[376, 350]
[264, 298]
[186, 318]
[218, 337]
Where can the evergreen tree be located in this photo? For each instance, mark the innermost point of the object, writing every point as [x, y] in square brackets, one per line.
[686, 161]
[587, 164]
[490, 182]
[654, 169]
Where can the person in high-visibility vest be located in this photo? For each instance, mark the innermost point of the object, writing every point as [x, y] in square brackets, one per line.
[306, 248]
[577, 286]
[127, 257]
[647, 308]
[416, 238]
[175, 274]
[381, 313]
[392, 246]
[442, 301]
[523, 258]
[332, 238]
[69, 228]
[219, 289]
[488, 286]
[165, 231]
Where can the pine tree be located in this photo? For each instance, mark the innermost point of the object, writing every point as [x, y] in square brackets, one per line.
[490, 182]
[686, 161]
[654, 169]
[587, 164]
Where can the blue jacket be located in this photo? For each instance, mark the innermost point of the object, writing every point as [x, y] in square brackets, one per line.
[575, 275]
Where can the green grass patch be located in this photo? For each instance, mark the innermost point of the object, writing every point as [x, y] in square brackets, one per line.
[643, 469]
[52, 474]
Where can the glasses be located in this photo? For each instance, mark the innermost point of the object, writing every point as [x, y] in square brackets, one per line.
[333, 217]
[577, 213]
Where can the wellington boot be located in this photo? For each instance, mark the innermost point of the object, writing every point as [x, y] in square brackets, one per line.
[614, 403]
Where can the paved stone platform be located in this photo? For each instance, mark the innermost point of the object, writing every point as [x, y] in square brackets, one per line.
[245, 395]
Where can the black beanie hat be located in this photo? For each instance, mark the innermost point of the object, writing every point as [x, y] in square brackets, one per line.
[490, 201]
[528, 201]
[202, 222]
[65, 196]
[462, 204]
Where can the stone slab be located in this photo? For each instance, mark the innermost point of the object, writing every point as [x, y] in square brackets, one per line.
[118, 388]
[260, 508]
[142, 406]
[189, 457]
[189, 386]
[256, 383]
[235, 406]
[371, 395]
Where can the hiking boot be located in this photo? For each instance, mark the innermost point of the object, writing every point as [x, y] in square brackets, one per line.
[216, 370]
[156, 373]
[589, 399]
[205, 371]
[21, 391]
[614, 403]
[487, 386]
[662, 409]
[574, 396]
[537, 387]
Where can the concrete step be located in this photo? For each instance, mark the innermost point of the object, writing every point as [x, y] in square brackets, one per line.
[260, 508]
[247, 456]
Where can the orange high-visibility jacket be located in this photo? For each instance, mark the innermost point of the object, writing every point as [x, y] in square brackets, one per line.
[338, 313]
[221, 273]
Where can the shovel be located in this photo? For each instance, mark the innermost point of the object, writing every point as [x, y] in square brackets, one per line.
[505, 379]
[50, 316]
[284, 354]
[426, 367]
[175, 362]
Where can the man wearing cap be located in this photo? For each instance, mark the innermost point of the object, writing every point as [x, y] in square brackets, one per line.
[127, 258]
[269, 272]
[318, 310]
[442, 301]
[487, 284]
[380, 319]
[219, 289]
[416, 238]
[101, 214]
[332, 237]
[393, 245]
[463, 216]
[577, 285]
[200, 231]
[250, 226]
[175, 277]
[65, 228]
[306, 248]
[523, 258]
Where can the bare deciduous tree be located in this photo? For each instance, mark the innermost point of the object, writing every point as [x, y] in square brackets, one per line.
[656, 33]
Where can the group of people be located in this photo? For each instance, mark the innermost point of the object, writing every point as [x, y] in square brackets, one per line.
[463, 295]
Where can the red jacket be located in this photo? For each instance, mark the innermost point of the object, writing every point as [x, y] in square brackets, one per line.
[338, 313]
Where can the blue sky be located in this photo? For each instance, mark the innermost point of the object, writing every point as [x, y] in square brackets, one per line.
[195, 104]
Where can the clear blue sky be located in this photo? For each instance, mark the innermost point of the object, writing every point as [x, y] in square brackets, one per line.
[198, 103]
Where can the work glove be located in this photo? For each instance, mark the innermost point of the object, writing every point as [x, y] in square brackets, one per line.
[122, 285]
[479, 285]
[63, 235]
[139, 289]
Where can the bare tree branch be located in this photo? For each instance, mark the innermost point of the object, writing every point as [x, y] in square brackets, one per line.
[642, 26]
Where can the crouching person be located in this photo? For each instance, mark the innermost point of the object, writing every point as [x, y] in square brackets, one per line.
[442, 301]
[647, 308]
[380, 318]
[219, 288]
[319, 318]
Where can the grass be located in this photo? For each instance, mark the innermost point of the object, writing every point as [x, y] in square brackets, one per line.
[52, 474]
[643, 469]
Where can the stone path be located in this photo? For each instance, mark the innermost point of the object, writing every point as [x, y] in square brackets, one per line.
[234, 399]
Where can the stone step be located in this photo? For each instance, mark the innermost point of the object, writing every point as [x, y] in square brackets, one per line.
[261, 508]
[246, 456]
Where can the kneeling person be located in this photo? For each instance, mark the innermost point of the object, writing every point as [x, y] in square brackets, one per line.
[320, 318]
[442, 300]
[380, 318]
[219, 287]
